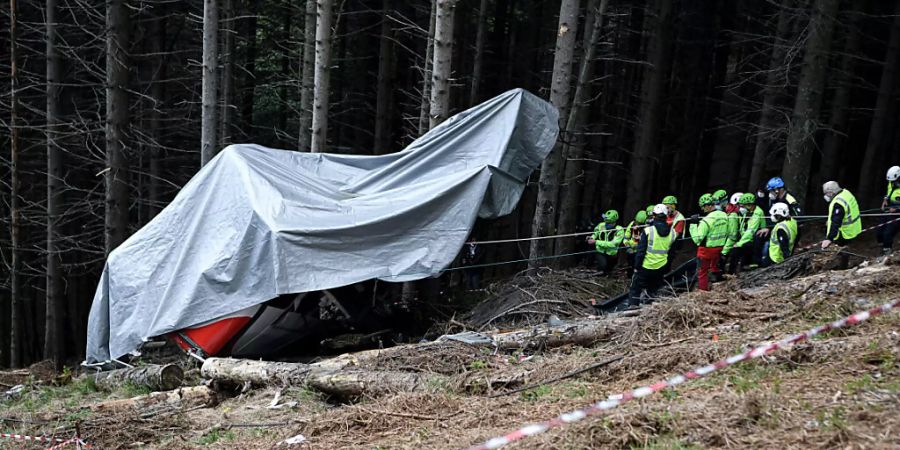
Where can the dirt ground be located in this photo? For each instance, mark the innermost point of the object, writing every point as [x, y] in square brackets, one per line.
[841, 390]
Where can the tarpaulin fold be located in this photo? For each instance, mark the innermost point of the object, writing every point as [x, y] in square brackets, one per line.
[255, 223]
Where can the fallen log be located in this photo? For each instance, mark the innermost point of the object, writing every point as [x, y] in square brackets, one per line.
[355, 383]
[257, 373]
[334, 379]
[153, 377]
[580, 332]
[184, 398]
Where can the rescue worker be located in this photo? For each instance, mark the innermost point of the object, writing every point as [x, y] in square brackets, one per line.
[843, 222]
[777, 193]
[606, 239]
[674, 218]
[720, 198]
[784, 235]
[632, 236]
[721, 203]
[732, 206]
[891, 204]
[751, 219]
[710, 236]
[732, 210]
[651, 255]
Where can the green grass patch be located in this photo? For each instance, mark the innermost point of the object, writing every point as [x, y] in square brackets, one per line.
[215, 436]
[666, 443]
[536, 393]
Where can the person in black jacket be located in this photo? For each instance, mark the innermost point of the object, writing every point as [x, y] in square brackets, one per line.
[471, 256]
[647, 276]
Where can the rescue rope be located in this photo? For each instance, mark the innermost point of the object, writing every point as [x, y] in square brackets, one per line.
[700, 372]
[804, 219]
[623, 247]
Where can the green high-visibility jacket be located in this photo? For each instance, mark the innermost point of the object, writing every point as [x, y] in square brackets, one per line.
[608, 240]
[851, 225]
[734, 232]
[893, 196]
[632, 236]
[657, 248]
[750, 225]
[775, 253]
[712, 231]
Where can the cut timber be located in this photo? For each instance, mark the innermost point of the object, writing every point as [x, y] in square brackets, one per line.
[326, 376]
[355, 383]
[189, 397]
[342, 376]
[258, 373]
[154, 377]
[579, 332]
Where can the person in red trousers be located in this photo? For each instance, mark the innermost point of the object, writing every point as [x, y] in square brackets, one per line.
[710, 235]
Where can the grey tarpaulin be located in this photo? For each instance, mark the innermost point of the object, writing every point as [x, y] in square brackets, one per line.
[256, 223]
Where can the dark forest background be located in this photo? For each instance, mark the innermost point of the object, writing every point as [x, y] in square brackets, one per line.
[108, 108]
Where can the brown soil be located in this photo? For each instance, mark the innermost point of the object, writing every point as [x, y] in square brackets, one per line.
[839, 391]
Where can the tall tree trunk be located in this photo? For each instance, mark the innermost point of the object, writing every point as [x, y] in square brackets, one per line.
[443, 53]
[385, 93]
[804, 120]
[116, 122]
[881, 119]
[210, 84]
[284, 103]
[15, 267]
[53, 331]
[157, 94]
[227, 74]
[655, 75]
[769, 123]
[249, 85]
[425, 105]
[840, 103]
[478, 63]
[307, 80]
[322, 80]
[570, 191]
[544, 223]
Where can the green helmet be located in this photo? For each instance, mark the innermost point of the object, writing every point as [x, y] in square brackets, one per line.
[747, 199]
[640, 217]
[611, 216]
[649, 210]
[720, 195]
[706, 199]
[669, 200]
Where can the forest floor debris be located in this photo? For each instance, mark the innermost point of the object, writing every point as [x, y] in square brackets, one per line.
[839, 390]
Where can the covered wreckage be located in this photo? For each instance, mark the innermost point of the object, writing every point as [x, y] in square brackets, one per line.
[256, 224]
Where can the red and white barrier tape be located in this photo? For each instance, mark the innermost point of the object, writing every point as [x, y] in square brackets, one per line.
[58, 443]
[614, 401]
[22, 437]
[75, 440]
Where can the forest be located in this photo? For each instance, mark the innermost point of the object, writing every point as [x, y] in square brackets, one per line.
[109, 108]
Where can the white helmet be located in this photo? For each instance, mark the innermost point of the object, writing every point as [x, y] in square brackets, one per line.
[831, 188]
[736, 197]
[779, 209]
[661, 209]
[893, 173]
